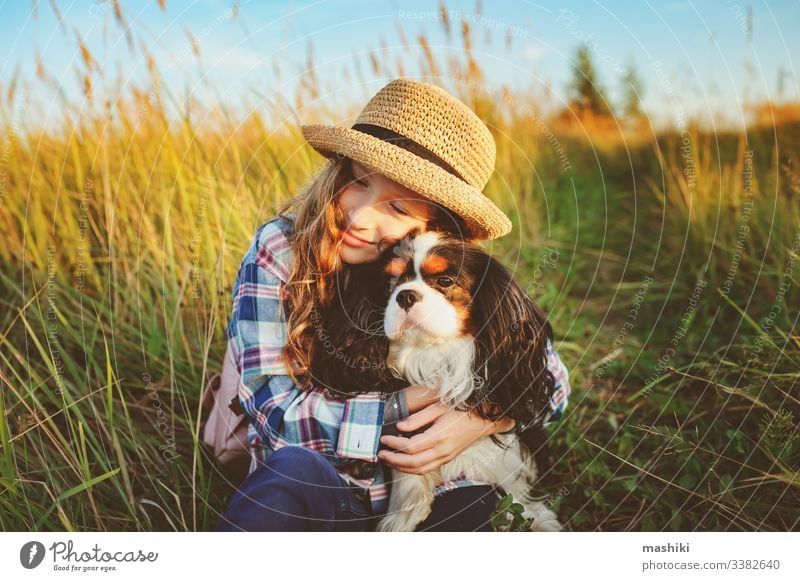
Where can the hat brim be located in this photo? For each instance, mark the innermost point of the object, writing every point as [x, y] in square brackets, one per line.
[482, 216]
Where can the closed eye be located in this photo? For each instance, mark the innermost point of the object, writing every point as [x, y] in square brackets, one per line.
[358, 176]
[399, 210]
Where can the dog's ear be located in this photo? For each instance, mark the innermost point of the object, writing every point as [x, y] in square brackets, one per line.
[349, 347]
[511, 334]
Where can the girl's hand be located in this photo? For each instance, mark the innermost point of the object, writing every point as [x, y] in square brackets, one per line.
[450, 433]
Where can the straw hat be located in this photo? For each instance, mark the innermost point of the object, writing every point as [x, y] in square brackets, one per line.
[422, 137]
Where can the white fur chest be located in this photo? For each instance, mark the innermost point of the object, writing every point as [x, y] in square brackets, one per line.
[445, 365]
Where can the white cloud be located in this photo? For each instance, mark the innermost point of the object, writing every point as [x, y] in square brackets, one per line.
[533, 52]
[232, 58]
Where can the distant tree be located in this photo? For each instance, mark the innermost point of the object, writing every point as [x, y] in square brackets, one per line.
[632, 90]
[587, 94]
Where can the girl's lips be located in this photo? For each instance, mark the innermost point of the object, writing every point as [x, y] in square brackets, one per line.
[353, 240]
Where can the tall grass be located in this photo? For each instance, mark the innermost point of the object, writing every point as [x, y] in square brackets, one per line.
[124, 230]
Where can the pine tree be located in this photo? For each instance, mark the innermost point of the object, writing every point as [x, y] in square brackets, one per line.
[632, 90]
[587, 94]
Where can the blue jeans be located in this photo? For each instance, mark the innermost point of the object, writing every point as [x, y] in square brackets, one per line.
[297, 489]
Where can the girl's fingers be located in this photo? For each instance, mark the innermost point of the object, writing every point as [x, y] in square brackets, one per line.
[410, 463]
[396, 442]
[413, 445]
[421, 418]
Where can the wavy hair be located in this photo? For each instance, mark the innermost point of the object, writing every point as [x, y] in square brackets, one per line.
[315, 241]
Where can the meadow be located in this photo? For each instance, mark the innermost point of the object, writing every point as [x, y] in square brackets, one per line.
[667, 260]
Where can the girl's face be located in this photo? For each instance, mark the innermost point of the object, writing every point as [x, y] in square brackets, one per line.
[375, 207]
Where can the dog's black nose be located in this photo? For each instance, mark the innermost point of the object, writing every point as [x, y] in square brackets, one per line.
[406, 298]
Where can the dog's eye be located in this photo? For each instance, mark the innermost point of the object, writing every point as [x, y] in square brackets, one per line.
[445, 281]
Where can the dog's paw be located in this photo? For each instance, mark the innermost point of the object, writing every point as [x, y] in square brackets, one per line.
[395, 523]
[405, 520]
[546, 526]
[544, 519]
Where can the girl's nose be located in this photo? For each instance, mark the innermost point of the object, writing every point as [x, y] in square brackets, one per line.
[361, 217]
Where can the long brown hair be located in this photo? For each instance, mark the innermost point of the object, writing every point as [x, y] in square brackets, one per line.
[318, 224]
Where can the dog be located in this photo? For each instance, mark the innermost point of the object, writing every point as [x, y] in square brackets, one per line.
[440, 311]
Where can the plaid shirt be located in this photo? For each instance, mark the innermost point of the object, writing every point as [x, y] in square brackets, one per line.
[346, 431]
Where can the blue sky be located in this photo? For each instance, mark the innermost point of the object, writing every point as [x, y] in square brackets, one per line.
[689, 54]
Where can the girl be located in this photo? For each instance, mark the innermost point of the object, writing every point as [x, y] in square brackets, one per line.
[415, 158]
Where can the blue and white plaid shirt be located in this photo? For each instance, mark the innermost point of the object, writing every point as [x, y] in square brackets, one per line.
[346, 431]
